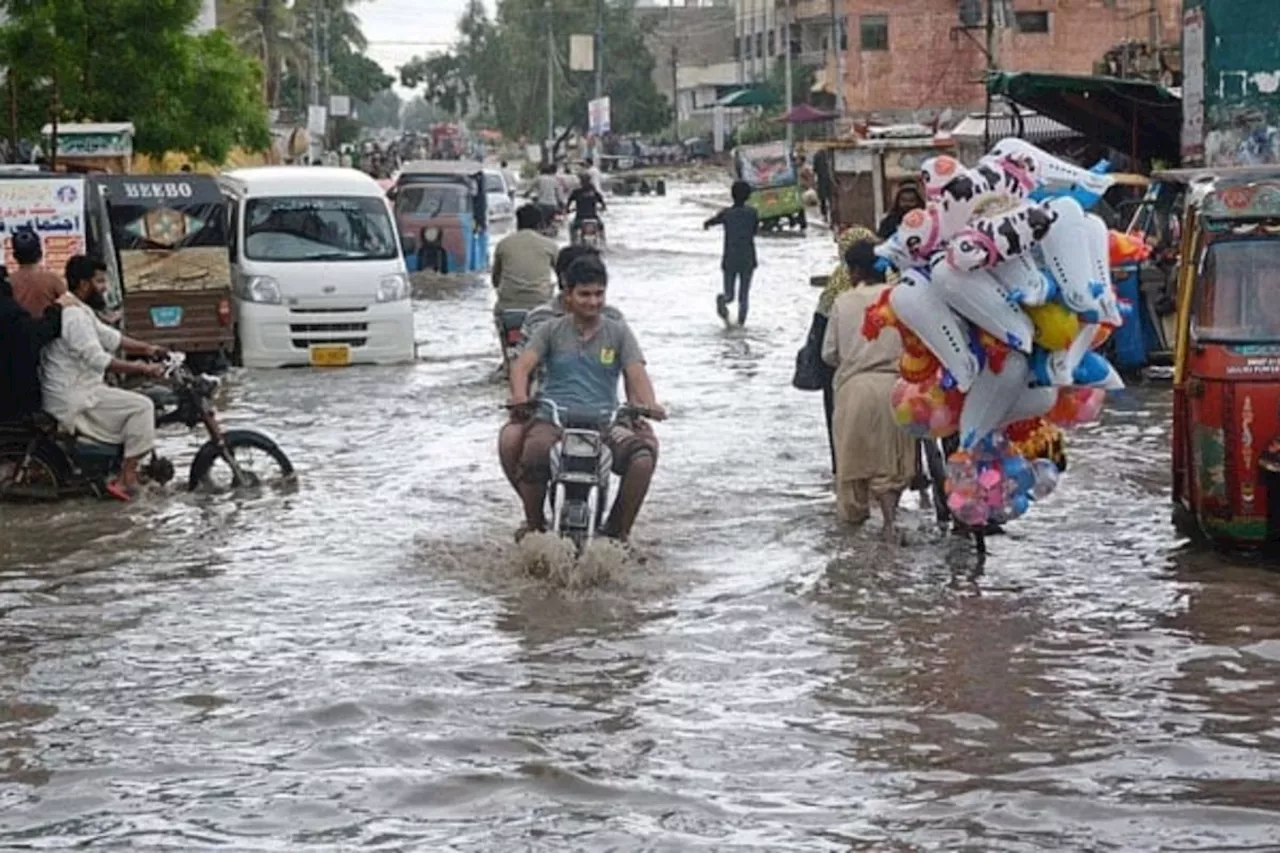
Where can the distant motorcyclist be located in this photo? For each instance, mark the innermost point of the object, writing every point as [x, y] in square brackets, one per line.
[522, 264]
[72, 382]
[585, 354]
[546, 193]
[586, 203]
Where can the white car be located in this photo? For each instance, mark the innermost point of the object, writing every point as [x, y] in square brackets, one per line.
[498, 196]
[317, 266]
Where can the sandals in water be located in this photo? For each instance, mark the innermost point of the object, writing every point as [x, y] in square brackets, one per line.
[120, 491]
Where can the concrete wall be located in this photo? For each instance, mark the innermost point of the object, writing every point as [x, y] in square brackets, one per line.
[1232, 87]
[931, 65]
[702, 37]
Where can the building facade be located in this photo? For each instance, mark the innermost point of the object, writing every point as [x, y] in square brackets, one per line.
[912, 59]
[693, 48]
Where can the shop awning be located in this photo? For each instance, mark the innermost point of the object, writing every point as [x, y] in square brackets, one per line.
[1028, 125]
[756, 96]
[1138, 118]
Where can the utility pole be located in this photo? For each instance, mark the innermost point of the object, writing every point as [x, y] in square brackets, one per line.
[837, 61]
[786, 46]
[551, 86]
[324, 54]
[991, 67]
[1155, 25]
[599, 51]
[675, 73]
[315, 57]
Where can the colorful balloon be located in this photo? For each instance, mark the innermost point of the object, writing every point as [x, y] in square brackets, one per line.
[917, 305]
[1067, 259]
[982, 300]
[1100, 257]
[990, 399]
[1056, 325]
[1053, 174]
[1077, 406]
[1026, 284]
[925, 409]
[995, 239]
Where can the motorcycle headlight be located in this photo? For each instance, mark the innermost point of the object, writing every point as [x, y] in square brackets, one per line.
[261, 288]
[393, 288]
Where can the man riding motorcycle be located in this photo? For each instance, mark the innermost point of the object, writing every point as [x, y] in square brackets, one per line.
[585, 202]
[585, 352]
[74, 389]
[522, 263]
[547, 194]
[555, 307]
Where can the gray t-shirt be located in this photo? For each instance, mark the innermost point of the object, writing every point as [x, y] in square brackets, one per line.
[584, 373]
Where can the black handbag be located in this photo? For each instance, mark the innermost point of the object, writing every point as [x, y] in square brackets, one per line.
[812, 373]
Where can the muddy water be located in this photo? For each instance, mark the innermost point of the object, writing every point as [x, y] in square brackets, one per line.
[368, 663]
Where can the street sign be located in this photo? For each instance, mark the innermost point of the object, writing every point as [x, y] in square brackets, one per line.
[339, 106]
[582, 52]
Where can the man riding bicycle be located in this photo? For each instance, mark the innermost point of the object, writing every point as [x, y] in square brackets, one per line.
[585, 352]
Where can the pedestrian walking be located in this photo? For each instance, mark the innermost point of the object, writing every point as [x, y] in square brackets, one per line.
[738, 262]
[875, 460]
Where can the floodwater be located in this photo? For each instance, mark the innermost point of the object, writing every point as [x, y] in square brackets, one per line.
[369, 663]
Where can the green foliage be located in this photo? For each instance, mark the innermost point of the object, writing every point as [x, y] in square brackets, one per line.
[498, 67]
[802, 77]
[134, 60]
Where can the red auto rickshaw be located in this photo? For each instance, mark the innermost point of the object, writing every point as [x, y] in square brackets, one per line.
[1226, 418]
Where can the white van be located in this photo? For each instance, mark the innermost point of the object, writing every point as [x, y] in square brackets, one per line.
[317, 269]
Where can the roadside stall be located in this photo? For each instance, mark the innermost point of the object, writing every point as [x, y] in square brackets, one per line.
[170, 236]
[867, 172]
[92, 146]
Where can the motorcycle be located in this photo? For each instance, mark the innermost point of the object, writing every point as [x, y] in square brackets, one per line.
[581, 467]
[510, 323]
[550, 226]
[38, 461]
[591, 233]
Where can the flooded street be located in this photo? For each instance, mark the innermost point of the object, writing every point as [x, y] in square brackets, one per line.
[367, 663]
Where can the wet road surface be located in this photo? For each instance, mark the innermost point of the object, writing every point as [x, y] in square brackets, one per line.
[368, 663]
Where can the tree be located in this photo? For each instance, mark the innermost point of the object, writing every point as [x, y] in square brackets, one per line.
[134, 60]
[499, 68]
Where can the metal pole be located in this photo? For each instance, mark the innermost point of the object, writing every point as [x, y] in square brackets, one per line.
[786, 65]
[836, 64]
[1155, 26]
[599, 49]
[315, 57]
[675, 73]
[991, 67]
[551, 85]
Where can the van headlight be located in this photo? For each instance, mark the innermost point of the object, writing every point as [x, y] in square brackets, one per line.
[262, 289]
[393, 288]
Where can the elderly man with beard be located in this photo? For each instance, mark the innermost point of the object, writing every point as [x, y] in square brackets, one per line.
[73, 382]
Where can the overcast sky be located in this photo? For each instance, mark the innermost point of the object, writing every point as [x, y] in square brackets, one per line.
[398, 30]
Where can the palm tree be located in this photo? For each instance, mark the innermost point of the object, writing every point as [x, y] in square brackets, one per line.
[266, 30]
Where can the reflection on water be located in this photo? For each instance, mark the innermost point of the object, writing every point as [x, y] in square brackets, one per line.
[371, 661]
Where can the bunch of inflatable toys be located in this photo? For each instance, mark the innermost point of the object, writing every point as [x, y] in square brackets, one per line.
[1003, 298]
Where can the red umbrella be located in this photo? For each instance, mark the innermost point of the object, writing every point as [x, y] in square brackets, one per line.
[806, 114]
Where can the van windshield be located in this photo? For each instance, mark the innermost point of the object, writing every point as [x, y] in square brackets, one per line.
[325, 228]
[1239, 294]
[493, 183]
[433, 199]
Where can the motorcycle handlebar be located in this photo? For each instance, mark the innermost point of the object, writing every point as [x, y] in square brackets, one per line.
[622, 412]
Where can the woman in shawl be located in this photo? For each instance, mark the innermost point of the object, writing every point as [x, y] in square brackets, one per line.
[837, 283]
[875, 459]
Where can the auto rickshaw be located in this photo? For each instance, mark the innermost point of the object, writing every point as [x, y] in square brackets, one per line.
[1226, 418]
[445, 198]
[775, 184]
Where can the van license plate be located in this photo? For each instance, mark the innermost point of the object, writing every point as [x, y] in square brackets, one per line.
[166, 316]
[337, 355]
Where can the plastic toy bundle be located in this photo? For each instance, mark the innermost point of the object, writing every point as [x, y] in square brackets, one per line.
[1004, 298]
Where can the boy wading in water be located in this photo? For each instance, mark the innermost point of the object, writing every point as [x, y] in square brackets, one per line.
[739, 262]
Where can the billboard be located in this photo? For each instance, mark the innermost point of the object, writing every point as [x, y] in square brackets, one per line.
[598, 116]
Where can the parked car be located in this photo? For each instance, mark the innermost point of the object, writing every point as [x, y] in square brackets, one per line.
[498, 195]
